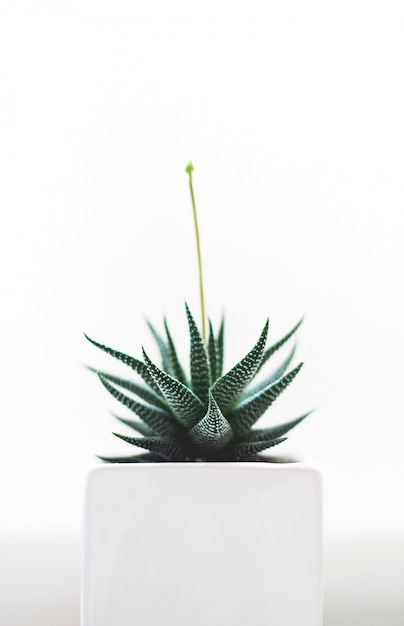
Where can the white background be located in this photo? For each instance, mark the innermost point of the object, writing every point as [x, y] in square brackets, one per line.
[292, 113]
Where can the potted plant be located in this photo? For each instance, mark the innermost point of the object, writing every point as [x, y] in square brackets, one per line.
[199, 528]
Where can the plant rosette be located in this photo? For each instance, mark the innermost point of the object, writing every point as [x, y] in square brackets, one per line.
[199, 528]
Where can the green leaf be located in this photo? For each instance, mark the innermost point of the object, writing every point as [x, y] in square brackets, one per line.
[274, 432]
[139, 427]
[145, 393]
[159, 421]
[215, 351]
[137, 458]
[200, 374]
[169, 449]
[220, 349]
[272, 349]
[276, 375]
[176, 369]
[228, 388]
[184, 404]
[212, 353]
[250, 410]
[242, 451]
[133, 363]
[213, 432]
[163, 348]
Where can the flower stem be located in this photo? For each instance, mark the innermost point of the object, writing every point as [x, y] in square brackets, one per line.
[189, 169]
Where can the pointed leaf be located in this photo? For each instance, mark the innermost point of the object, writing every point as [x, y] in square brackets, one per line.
[200, 374]
[215, 352]
[242, 451]
[145, 393]
[276, 375]
[184, 404]
[139, 427]
[159, 421]
[212, 352]
[228, 388]
[220, 349]
[272, 349]
[163, 348]
[167, 448]
[274, 432]
[135, 364]
[137, 458]
[176, 369]
[250, 410]
[213, 432]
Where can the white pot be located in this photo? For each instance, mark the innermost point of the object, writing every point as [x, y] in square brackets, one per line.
[203, 544]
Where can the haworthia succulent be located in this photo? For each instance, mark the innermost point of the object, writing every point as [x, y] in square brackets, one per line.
[203, 413]
[229, 387]
[209, 418]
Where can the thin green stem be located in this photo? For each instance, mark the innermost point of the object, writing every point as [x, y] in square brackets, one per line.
[189, 169]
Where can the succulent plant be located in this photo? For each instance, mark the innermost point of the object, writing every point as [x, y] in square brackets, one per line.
[209, 417]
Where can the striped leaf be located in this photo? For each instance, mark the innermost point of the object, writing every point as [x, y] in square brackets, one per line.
[169, 449]
[184, 404]
[136, 458]
[139, 427]
[163, 348]
[200, 374]
[215, 351]
[250, 410]
[159, 421]
[229, 387]
[145, 393]
[213, 432]
[272, 349]
[274, 432]
[176, 369]
[133, 363]
[242, 451]
[220, 350]
[276, 375]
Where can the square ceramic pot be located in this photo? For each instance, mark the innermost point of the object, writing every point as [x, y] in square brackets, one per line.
[203, 544]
